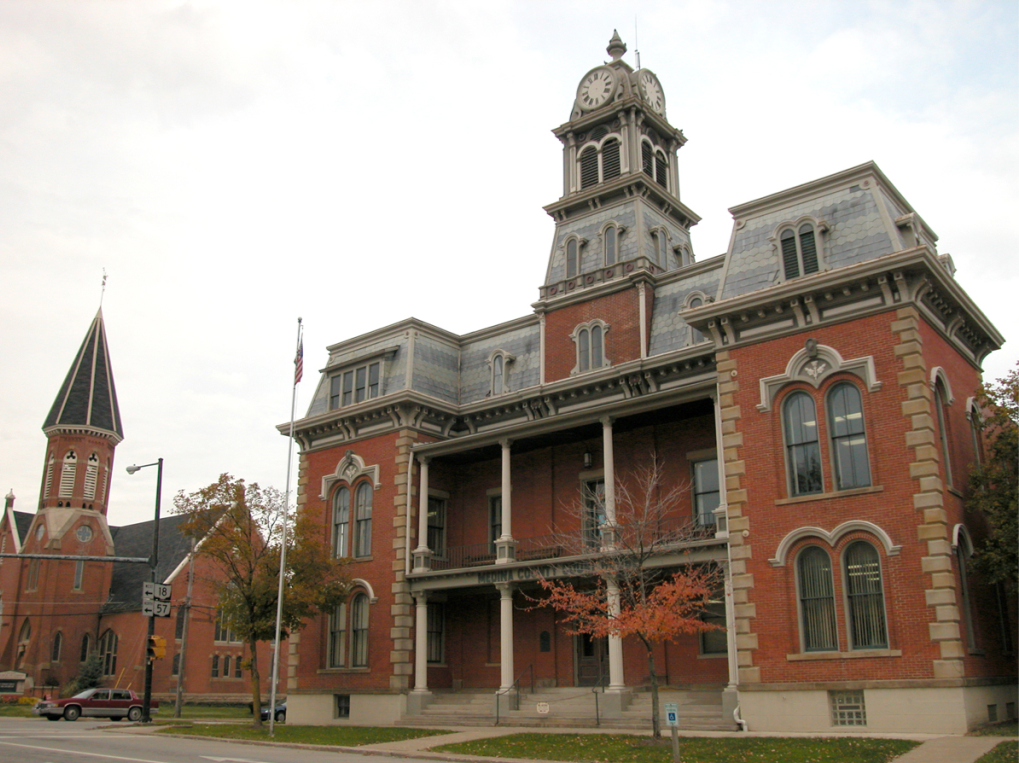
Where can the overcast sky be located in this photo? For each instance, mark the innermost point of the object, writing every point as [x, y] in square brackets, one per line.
[235, 166]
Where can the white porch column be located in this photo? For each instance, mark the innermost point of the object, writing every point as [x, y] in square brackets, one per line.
[421, 643]
[617, 682]
[505, 635]
[505, 546]
[422, 554]
[608, 460]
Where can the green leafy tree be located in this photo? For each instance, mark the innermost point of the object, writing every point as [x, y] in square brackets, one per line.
[90, 674]
[239, 529]
[993, 484]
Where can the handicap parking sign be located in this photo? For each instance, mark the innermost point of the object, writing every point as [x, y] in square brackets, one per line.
[672, 713]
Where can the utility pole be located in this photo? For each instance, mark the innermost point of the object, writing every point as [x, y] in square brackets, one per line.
[184, 633]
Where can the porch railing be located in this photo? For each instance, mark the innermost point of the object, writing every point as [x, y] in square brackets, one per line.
[553, 546]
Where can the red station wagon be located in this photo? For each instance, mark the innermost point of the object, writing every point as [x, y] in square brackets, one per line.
[95, 703]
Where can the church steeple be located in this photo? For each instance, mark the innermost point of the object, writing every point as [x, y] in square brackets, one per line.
[83, 428]
[88, 399]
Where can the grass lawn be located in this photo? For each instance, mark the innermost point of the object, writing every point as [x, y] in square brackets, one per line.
[17, 711]
[620, 748]
[1002, 729]
[340, 736]
[203, 712]
[1006, 752]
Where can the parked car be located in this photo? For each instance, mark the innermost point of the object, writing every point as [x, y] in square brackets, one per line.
[95, 703]
[281, 713]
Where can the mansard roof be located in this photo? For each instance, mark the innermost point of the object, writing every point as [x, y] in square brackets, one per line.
[88, 397]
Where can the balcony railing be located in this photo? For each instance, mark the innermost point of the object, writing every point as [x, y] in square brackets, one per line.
[542, 547]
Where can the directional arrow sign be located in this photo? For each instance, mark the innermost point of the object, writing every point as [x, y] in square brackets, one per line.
[157, 591]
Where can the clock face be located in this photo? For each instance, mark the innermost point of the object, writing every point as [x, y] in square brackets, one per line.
[652, 90]
[596, 89]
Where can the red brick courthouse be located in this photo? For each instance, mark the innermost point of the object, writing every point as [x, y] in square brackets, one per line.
[813, 385]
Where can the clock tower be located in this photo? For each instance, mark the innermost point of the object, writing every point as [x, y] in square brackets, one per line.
[620, 210]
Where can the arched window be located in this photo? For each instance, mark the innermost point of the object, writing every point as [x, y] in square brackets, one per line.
[611, 245]
[497, 372]
[940, 408]
[590, 341]
[647, 159]
[91, 476]
[58, 645]
[363, 520]
[799, 251]
[818, 629]
[803, 453]
[848, 437]
[108, 652]
[865, 600]
[589, 167]
[24, 637]
[661, 170]
[341, 521]
[962, 553]
[86, 647]
[359, 631]
[571, 258]
[67, 473]
[975, 432]
[696, 337]
[337, 647]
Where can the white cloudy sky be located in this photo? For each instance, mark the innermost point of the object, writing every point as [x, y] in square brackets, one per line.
[235, 166]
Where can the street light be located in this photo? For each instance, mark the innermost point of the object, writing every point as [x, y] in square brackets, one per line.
[153, 560]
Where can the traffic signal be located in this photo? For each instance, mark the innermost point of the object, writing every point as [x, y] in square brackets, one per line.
[157, 647]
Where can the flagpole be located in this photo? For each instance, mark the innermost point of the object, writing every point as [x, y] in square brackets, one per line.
[298, 373]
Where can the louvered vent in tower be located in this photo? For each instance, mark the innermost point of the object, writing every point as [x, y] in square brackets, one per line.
[809, 247]
[589, 167]
[610, 159]
[789, 261]
[660, 171]
[599, 132]
[647, 159]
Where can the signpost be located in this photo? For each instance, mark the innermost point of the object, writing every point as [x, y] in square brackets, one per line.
[672, 721]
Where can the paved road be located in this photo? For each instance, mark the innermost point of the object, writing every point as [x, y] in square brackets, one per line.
[33, 740]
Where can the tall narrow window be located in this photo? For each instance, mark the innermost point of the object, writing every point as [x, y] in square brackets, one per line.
[865, 601]
[497, 371]
[86, 647]
[437, 526]
[661, 171]
[337, 637]
[596, 346]
[939, 407]
[58, 645]
[803, 454]
[348, 388]
[594, 512]
[799, 251]
[49, 477]
[584, 350]
[848, 438]
[706, 495]
[91, 474]
[436, 623]
[494, 521]
[967, 604]
[359, 632]
[571, 258]
[610, 159]
[817, 601]
[175, 669]
[696, 337]
[341, 521]
[215, 666]
[70, 468]
[226, 666]
[79, 574]
[363, 520]
[975, 434]
[610, 245]
[714, 641]
[108, 652]
[590, 340]
[589, 167]
[33, 575]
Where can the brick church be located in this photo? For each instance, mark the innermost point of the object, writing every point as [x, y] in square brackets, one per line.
[813, 387]
[56, 612]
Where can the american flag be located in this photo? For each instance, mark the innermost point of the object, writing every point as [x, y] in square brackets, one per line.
[299, 363]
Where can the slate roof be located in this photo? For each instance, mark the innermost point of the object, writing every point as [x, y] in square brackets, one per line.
[136, 540]
[23, 522]
[88, 396]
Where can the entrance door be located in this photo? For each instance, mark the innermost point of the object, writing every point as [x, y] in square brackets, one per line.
[591, 660]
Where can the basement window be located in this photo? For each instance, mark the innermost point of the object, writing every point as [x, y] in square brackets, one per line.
[342, 705]
[847, 708]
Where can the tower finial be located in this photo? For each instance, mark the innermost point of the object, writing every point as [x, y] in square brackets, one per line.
[616, 47]
[103, 292]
